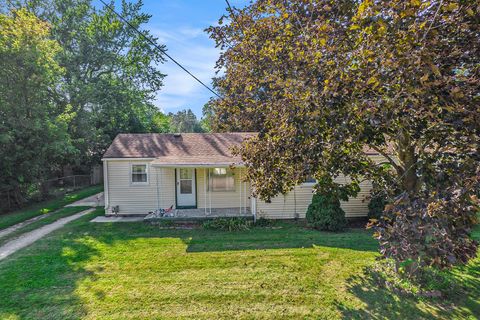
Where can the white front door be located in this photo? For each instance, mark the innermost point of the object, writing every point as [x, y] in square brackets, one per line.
[186, 191]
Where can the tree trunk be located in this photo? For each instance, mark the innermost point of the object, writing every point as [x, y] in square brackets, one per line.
[408, 160]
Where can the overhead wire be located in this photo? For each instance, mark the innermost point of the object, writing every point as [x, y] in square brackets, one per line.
[159, 48]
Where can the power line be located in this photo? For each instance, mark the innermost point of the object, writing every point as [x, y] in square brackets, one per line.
[159, 48]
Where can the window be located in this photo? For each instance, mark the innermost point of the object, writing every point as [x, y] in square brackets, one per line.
[221, 179]
[310, 180]
[139, 174]
[186, 181]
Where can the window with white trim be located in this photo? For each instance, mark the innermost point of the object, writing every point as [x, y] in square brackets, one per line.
[139, 174]
[221, 179]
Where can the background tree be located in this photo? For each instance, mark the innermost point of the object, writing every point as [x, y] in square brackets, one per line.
[184, 121]
[208, 116]
[33, 129]
[323, 81]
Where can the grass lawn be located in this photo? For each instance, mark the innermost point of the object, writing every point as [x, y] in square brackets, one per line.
[138, 271]
[12, 218]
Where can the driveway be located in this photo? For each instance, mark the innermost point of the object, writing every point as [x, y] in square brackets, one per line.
[32, 236]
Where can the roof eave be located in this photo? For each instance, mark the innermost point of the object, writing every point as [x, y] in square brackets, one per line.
[196, 165]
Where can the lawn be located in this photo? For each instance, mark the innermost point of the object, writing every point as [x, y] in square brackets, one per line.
[138, 271]
[10, 219]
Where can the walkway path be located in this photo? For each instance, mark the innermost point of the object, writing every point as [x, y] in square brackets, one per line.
[92, 201]
[96, 200]
[5, 232]
[32, 236]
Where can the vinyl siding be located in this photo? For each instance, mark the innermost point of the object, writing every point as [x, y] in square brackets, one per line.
[295, 203]
[138, 199]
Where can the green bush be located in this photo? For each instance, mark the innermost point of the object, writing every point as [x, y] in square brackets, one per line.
[262, 223]
[227, 224]
[325, 213]
[376, 206]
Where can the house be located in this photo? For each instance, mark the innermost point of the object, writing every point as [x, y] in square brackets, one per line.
[197, 175]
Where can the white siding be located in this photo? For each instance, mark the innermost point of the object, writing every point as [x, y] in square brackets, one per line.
[138, 199]
[295, 203]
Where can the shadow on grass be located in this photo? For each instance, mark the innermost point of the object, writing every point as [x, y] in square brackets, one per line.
[38, 282]
[382, 303]
[281, 235]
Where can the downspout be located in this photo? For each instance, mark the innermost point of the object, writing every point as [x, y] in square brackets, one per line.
[205, 190]
[105, 184]
[209, 194]
[240, 181]
[246, 197]
[158, 190]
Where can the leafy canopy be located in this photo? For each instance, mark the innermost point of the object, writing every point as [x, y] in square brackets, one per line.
[324, 81]
[33, 130]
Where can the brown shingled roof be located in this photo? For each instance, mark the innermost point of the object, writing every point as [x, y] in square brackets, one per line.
[181, 149]
[186, 148]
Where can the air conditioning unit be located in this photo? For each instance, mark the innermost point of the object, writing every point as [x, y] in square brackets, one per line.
[115, 209]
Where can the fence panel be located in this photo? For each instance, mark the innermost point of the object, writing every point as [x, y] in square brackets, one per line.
[11, 199]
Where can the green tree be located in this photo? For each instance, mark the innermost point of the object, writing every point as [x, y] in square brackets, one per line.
[184, 121]
[208, 116]
[323, 81]
[111, 72]
[33, 130]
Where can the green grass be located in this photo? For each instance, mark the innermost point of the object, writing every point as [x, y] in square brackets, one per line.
[58, 214]
[10, 219]
[138, 271]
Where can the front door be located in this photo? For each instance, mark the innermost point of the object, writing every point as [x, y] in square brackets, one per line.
[186, 191]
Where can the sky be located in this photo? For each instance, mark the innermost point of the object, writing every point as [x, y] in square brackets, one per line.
[179, 24]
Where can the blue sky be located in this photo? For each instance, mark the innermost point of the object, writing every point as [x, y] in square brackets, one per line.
[179, 24]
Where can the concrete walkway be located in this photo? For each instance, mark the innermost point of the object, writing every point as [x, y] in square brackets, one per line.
[92, 201]
[5, 232]
[103, 219]
[32, 236]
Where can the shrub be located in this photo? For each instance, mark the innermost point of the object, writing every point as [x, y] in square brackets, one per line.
[262, 222]
[227, 224]
[325, 213]
[376, 206]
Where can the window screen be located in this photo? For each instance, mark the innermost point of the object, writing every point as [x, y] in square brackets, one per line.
[221, 179]
[139, 173]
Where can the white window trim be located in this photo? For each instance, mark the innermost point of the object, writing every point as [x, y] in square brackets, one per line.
[146, 170]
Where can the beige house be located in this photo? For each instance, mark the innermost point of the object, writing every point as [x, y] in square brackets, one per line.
[192, 172]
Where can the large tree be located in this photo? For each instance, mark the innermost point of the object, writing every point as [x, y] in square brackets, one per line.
[33, 129]
[111, 72]
[324, 80]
